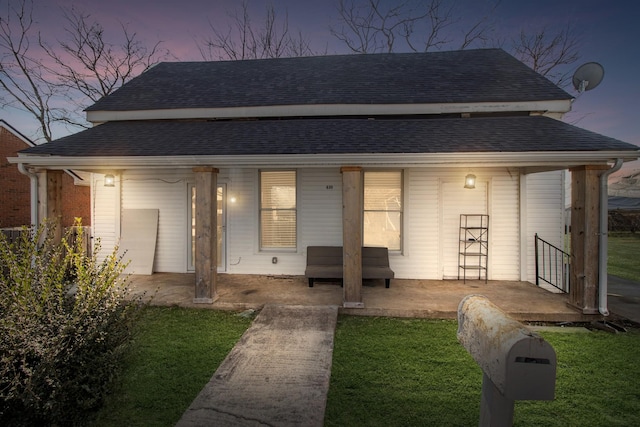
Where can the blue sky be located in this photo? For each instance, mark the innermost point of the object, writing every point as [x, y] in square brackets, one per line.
[608, 30]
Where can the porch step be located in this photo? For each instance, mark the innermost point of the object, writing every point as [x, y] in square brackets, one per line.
[277, 374]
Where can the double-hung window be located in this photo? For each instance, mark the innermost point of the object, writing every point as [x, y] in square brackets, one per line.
[278, 209]
[382, 222]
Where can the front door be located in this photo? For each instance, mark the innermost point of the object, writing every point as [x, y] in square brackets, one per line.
[222, 227]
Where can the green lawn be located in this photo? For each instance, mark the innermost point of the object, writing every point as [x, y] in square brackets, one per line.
[386, 372]
[393, 372]
[623, 259]
[175, 353]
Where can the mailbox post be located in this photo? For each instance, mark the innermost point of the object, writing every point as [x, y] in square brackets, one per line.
[517, 364]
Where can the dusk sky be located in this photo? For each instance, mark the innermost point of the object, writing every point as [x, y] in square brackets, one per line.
[608, 30]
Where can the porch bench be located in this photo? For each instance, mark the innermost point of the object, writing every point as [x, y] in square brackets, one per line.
[325, 262]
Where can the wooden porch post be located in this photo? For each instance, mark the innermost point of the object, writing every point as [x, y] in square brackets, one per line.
[352, 236]
[50, 201]
[206, 256]
[585, 234]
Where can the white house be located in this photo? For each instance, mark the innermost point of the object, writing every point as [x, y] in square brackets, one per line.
[267, 157]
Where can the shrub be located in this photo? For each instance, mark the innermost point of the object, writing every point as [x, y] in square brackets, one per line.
[65, 321]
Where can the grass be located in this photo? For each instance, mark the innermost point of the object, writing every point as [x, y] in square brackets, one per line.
[175, 353]
[393, 372]
[386, 372]
[623, 258]
[390, 372]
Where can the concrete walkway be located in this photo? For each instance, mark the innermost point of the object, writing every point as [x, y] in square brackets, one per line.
[277, 374]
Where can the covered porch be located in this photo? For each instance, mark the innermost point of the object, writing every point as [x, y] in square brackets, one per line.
[588, 260]
[538, 144]
[437, 299]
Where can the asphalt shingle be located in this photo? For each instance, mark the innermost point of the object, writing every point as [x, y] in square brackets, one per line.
[483, 75]
[329, 136]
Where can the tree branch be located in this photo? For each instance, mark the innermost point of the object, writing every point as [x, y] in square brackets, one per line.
[242, 40]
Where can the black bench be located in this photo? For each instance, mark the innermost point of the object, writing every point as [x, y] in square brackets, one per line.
[325, 262]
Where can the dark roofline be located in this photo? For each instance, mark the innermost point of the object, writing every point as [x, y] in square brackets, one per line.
[468, 76]
[330, 136]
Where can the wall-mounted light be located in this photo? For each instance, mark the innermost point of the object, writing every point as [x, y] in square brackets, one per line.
[109, 180]
[470, 181]
[233, 199]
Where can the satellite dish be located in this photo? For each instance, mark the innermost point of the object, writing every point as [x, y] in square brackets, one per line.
[588, 76]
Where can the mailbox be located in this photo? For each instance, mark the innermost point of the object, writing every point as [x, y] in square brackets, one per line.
[517, 364]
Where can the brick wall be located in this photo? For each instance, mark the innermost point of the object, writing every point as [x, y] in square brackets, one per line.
[15, 199]
[75, 202]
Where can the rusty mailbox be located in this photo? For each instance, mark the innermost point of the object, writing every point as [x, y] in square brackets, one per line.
[517, 364]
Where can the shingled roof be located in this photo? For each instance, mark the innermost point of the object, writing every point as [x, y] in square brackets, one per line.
[330, 136]
[468, 76]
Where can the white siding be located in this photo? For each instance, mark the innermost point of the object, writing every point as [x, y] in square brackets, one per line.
[544, 213]
[420, 256]
[105, 215]
[458, 200]
[433, 199]
[504, 226]
[167, 192]
[319, 203]
[242, 222]
[320, 208]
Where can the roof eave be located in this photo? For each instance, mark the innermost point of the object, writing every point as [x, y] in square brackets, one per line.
[553, 159]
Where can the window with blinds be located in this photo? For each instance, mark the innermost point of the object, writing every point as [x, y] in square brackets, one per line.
[382, 222]
[278, 209]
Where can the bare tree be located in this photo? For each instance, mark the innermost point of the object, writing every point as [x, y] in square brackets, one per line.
[243, 40]
[25, 82]
[549, 53]
[88, 67]
[370, 26]
[54, 81]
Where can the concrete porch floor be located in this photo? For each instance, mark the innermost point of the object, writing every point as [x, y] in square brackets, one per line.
[436, 299]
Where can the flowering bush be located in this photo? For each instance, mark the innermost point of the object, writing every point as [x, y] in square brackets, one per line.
[65, 321]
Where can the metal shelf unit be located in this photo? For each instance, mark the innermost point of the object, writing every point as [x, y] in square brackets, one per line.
[473, 254]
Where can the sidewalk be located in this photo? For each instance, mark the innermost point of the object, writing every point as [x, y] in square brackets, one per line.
[277, 374]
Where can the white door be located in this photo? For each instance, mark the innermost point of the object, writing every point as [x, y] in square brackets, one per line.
[457, 200]
[222, 227]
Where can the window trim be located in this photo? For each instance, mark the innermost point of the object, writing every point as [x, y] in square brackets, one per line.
[401, 211]
[293, 249]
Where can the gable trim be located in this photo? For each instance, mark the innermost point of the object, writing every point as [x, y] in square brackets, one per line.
[553, 106]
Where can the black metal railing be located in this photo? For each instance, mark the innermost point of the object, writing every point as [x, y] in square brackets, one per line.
[552, 265]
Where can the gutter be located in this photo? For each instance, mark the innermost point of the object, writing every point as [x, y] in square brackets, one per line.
[549, 159]
[604, 239]
[34, 192]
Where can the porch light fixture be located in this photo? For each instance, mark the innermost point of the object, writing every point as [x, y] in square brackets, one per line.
[109, 180]
[470, 181]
